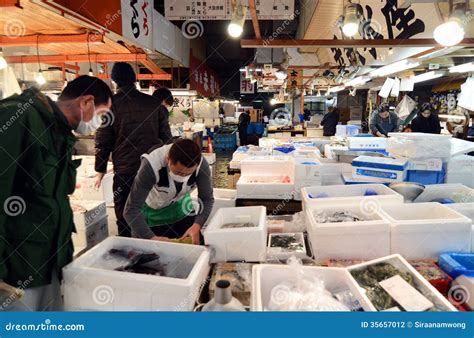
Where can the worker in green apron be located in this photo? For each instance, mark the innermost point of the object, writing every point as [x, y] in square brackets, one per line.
[159, 206]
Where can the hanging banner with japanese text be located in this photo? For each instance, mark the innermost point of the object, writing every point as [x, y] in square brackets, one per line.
[204, 79]
[137, 22]
[222, 9]
[382, 19]
[246, 86]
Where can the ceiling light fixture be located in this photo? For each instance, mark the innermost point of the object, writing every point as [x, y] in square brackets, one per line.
[350, 25]
[395, 68]
[3, 62]
[91, 73]
[427, 76]
[451, 32]
[357, 81]
[464, 68]
[236, 25]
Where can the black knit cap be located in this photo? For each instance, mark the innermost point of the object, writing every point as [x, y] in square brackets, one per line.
[123, 74]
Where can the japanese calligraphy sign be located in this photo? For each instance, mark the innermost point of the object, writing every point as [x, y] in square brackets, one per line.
[222, 9]
[137, 21]
[246, 87]
[382, 19]
[204, 79]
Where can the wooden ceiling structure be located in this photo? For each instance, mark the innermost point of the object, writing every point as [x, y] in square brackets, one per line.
[66, 42]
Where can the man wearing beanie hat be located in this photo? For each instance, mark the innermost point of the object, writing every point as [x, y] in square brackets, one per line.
[136, 124]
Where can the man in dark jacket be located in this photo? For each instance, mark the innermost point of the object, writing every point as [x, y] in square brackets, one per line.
[244, 121]
[135, 125]
[330, 121]
[426, 121]
[37, 173]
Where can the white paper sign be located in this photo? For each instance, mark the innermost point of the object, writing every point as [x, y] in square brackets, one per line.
[137, 21]
[405, 295]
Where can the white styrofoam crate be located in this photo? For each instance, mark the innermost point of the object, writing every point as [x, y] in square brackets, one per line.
[223, 198]
[88, 285]
[460, 169]
[307, 169]
[379, 169]
[279, 253]
[87, 212]
[94, 233]
[247, 244]
[421, 283]
[466, 209]
[361, 240]
[300, 184]
[366, 143]
[419, 145]
[457, 192]
[265, 187]
[266, 276]
[346, 194]
[425, 230]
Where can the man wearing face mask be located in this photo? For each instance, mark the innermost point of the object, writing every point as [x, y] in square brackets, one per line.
[426, 121]
[159, 206]
[37, 173]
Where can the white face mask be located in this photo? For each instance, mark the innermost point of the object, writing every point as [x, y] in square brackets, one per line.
[178, 178]
[87, 128]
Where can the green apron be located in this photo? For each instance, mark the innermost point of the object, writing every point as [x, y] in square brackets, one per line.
[171, 214]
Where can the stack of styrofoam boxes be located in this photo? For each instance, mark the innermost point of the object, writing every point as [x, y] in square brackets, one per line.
[90, 219]
[421, 284]
[425, 230]
[266, 277]
[460, 169]
[223, 198]
[245, 152]
[267, 178]
[91, 282]
[238, 244]
[349, 240]
[379, 169]
[419, 145]
[307, 174]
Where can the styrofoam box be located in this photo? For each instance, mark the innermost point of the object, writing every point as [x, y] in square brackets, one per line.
[419, 145]
[457, 192]
[331, 172]
[277, 252]
[460, 169]
[349, 240]
[266, 276]
[421, 283]
[300, 184]
[94, 210]
[307, 169]
[425, 230]
[88, 285]
[223, 198]
[367, 143]
[91, 235]
[239, 244]
[85, 189]
[379, 169]
[346, 194]
[432, 164]
[466, 209]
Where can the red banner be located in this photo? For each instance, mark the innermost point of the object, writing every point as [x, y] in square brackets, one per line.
[204, 79]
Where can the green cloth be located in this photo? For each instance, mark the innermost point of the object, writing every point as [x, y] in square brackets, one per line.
[37, 174]
[171, 214]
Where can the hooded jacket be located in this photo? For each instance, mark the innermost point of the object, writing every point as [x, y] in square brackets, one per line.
[430, 125]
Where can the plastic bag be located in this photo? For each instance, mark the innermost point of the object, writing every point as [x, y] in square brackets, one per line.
[405, 107]
[302, 293]
[465, 98]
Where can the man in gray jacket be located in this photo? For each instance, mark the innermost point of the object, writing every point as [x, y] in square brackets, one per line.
[384, 121]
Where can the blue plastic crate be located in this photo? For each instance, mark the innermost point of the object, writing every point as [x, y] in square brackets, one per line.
[457, 263]
[426, 176]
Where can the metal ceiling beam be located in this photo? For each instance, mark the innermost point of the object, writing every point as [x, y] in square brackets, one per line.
[354, 43]
[142, 58]
[253, 14]
[33, 40]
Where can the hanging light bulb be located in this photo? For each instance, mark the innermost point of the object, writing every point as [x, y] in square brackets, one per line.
[40, 79]
[91, 73]
[137, 85]
[236, 25]
[3, 62]
[351, 22]
[452, 32]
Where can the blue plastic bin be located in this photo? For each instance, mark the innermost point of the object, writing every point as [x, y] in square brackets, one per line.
[225, 141]
[457, 263]
[426, 177]
[259, 128]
